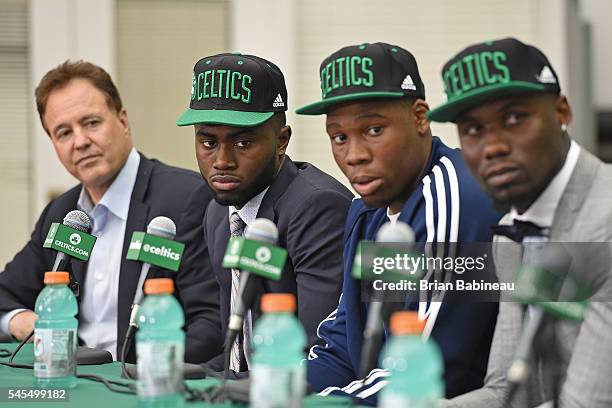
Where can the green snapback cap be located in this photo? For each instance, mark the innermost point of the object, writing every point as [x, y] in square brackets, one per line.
[235, 90]
[364, 71]
[490, 70]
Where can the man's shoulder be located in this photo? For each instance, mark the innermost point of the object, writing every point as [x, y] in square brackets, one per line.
[165, 172]
[311, 180]
[65, 202]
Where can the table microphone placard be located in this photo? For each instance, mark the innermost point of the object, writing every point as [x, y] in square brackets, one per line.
[154, 248]
[257, 257]
[71, 237]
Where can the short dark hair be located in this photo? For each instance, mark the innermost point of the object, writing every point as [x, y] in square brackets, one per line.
[280, 118]
[68, 70]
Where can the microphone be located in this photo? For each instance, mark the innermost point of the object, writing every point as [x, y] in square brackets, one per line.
[77, 220]
[539, 284]
[257, 258]
[373, 334]
[155, 247]
[71, 239]
[162, 227]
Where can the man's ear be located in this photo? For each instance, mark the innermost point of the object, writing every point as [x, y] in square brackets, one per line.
[284, 135]
[563, 111]
[123, 118]
[420, 109]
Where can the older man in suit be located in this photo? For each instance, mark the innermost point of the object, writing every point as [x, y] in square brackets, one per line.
[512, 122]
[238, 106]
[121, 190]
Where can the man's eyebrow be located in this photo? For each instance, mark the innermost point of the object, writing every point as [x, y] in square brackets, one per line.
[363, 116]
[508, 105]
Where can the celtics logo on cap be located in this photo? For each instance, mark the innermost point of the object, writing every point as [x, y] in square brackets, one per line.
[476, 70]
[222, 83]
[353, 70]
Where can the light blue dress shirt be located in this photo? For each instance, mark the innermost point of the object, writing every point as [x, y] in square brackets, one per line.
[98, 307]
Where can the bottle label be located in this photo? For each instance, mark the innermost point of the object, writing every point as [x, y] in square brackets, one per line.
[54, 353]
[277, 387]
[160, 368]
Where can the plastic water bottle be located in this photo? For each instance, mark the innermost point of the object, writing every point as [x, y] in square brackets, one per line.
[55, 334]
[416, 366]
[277, 376]
[160, 346]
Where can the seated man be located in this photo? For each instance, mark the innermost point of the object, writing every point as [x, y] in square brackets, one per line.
[512, 122]
[121, 190]
[238, 106]
[380, 137]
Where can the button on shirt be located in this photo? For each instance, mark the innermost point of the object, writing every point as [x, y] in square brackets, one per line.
[98, 308]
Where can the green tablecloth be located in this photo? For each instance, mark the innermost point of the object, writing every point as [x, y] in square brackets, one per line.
[91, 394]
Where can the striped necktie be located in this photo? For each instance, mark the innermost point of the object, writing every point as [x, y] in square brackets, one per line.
[237, 226]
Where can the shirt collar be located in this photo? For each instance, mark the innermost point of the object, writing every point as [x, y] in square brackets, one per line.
[393, 218]
[117, 198]
[542, 211]
[248, 212]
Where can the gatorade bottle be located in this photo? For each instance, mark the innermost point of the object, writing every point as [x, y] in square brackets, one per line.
[160, 346]
[277, 376]
[416, 366]
[55, 334]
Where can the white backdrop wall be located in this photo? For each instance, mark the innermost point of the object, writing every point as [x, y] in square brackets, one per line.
[150, 46]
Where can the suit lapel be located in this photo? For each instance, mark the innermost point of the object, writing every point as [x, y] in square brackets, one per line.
[130, 270]
[285, 176]
[573, 196]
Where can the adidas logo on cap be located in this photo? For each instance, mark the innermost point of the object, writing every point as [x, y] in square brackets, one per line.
[408, 84]
[278, 102]
[546, 76]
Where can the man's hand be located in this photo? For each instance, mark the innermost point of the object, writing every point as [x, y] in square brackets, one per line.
[22, 324]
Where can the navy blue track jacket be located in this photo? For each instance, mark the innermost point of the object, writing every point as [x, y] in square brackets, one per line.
[448, 206]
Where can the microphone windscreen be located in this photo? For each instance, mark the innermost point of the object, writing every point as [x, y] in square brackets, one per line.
[262, 230]
[78, 220]
[162, 227]
[395, 232]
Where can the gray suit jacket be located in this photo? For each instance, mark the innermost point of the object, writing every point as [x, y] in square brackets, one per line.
[584, 214]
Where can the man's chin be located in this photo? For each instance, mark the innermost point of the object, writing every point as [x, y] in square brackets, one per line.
[374, 201]
[227, 199]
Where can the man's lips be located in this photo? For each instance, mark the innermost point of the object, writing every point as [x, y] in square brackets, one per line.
[366, 185]
[87, 158]
[225, 183]
[502, 175]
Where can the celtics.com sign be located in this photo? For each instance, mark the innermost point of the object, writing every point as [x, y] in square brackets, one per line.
[256, 257]
[70, 241]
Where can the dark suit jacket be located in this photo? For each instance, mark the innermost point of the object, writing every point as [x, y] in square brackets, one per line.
[309, 208]
[159, 190]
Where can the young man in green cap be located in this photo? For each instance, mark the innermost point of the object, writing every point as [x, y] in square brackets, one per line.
[238, 105]
[512, 122]
[374, 100]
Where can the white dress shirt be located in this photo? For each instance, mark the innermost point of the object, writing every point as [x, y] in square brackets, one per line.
[248, 214]
[542, 211]
[98, 308]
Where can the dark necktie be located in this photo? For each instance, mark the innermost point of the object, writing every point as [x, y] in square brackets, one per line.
[237, 227]
[519, 230]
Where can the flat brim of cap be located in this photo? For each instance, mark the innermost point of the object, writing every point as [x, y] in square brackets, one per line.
[223, 117]
[449, 111]
[321, 107]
